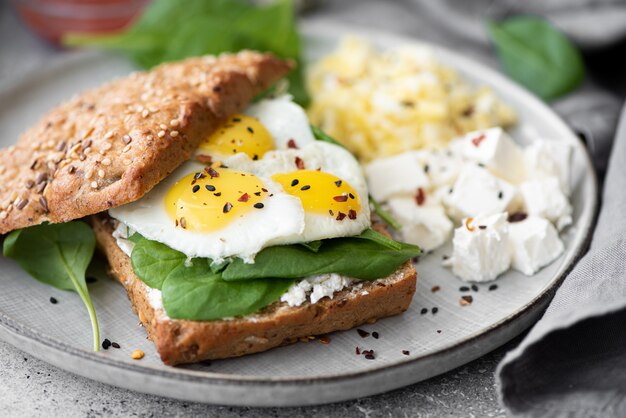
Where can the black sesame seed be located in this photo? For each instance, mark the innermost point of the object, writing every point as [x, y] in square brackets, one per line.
[426, 168]
[338, 183]
[493, 287]
[375, 335]
[255, 157]
[434, 310]
[227, 207]
[294, 182]
[351, 195]
[91, 279]
[218, 194]
[236, 119]
[258, 205]
[500, 195]
[307, 187]
[53, 301]
[464, 289]
[406, 352]
[424, 311]
[475, 288]
[115, 345]
[257, 193]
[195, 188]
[482, 226]
[210, 187]
[370, 356]
[362, 333]
[250, 130]
[106, 344]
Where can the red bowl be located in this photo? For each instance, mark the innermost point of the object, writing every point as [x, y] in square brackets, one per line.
[51, 19]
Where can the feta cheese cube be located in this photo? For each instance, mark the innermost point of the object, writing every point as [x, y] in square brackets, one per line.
[478, 192]
[497, 151]
[534, 243]
[397, 175]
[441, 166]
[544, 198]
[426, 225]
[549, 158]
[481, 248]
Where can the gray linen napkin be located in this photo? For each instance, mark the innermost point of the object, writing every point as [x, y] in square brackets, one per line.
[573, 362]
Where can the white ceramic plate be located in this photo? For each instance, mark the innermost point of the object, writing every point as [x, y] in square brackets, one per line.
[304, 373]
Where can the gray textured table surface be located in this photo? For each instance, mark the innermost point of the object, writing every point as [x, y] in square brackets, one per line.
[30, 387]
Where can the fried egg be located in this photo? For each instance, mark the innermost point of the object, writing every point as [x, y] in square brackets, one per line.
[275, 184]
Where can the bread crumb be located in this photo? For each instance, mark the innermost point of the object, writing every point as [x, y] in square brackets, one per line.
[137, 355]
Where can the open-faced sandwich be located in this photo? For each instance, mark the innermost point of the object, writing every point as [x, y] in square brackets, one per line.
[232, 224]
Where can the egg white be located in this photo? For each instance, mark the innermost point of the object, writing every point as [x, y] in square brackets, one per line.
[282, 215]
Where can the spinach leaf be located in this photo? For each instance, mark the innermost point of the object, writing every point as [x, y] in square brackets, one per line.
[172, 30]
[57, 255]
[193, 293]
[154, 262]
[363, 258]
[537, 55]
[313, 245]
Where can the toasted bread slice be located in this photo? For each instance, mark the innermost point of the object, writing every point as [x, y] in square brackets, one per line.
[110, 145]
[182, 341]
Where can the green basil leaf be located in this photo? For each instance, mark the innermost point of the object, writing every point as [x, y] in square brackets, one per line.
[57, 255]
[193, 294]
[154, 262]
[537, 55]
[172, 30]
[362, 258]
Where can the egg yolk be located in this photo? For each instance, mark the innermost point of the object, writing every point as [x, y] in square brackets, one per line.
[211, 199]
[240, 133]
[321, 193]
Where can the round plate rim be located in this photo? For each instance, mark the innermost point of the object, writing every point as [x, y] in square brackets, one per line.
[532, 308]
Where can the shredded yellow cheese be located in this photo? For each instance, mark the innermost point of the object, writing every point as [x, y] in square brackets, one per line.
[384, 103]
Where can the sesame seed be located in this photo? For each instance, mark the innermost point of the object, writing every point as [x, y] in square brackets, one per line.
[174, 122]
[94, 184]
[53, 300]
[259, 205]
[126, 161]
[195, 188]
[227, 207]
[115, 345]
[88, 174]
[434, 310]
[3, 215]
[161, 134]
[21, 203]
[294, 182]
[406, 352]
[30, 184]
[210, 187]
[338, 183]
[127, 148]
[109, 135]
[44, 204]
[306, 187]
[145, 113]
[174, 134]
[493, 287]
[101, 174]
[107, 146]
[106, 344]
[126, 139]
[106, 162]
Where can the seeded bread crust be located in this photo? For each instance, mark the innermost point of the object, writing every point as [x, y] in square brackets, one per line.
[181, 341]
[110, 145]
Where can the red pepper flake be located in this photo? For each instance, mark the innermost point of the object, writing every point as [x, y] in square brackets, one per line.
[292, 144]
[517, 217]
[420, 197]
[369, 354]
[299, 163]
[340, 216]
[325, 339]
[435, 289]
[340, 198]
[466, 300]
[352, 214]
[357, 351]
[477, 140]
[244, 197]
[212, 172]
[362, 333]
[227, 207]
[204, 159]
[468, 225]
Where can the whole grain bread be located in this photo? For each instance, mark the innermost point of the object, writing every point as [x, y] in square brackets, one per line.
[182, 341]
[110, 145]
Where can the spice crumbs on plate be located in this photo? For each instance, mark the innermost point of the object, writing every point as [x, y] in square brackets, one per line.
[137, 355]
[362, 333]
[466, 300]
[493, 287]
[435, 289]
[53, 301]
[406, 352]
[324, 339]
[106, 343]
[375, 335]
